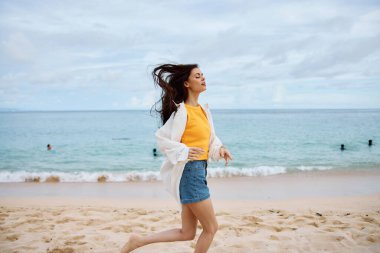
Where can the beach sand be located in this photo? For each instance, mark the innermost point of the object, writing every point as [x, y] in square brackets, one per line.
[286, 213]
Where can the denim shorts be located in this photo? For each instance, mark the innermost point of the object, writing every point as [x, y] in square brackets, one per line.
[193, 186]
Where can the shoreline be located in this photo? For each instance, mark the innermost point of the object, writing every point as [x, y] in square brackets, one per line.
[280, 186]
[225, 192]
[154, 175]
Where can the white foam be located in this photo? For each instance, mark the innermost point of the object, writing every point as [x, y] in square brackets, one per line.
[245, 172]
[23, 176]
[132, 176]
[309, 168]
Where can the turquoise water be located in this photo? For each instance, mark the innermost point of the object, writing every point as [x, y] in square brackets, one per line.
[118, 144]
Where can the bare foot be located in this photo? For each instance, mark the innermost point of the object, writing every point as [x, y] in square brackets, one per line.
[133, 243]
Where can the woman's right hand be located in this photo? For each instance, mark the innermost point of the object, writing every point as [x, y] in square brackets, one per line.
[195, 152]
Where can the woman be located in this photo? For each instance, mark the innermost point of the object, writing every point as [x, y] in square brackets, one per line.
[188, 140]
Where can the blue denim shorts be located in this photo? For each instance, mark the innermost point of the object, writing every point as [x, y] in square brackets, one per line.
[193, 186]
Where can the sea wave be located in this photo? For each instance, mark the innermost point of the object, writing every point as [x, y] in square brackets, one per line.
[99, 176]
[136, 176]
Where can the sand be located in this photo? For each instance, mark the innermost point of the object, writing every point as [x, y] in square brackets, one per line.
[40, 222]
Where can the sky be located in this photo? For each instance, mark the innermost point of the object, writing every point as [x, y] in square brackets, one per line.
[98, 55]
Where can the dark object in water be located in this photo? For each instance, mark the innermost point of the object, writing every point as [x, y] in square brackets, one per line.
[122, 139]
[154, 152]
[369, 142]
[342, 147]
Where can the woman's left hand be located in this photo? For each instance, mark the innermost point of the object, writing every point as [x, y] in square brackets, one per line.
[223, 151]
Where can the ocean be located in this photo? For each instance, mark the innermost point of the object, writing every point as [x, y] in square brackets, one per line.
[117, 146]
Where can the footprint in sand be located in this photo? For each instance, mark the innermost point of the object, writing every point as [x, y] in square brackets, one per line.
[35, 215]
[47, 239]
[99, 238]
[329, 229]
[373, 238]
[58, 250]
[27, 221]
[141, 225]
[130, 216]
[93, 222]
[252, 219]
[284, 216]
[3, 215]
[122, 228]
[279, 228]
[308, 216]
[154, 219]
[300, 220]
[279, 238]
[314, 224]
[75, 240]
[78, 237]
[337, 222]
[36, 228]
[273, 237]
[142, 212]
[27, 249]
[329, 238]
[74, 243]
[339, 225]
[13, 237]
[369, 219]
[56, 213]
[65, 220]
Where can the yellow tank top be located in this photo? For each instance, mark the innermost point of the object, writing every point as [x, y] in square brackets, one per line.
[197, 131]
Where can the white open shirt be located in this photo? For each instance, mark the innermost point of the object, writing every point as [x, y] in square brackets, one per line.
[176, 153]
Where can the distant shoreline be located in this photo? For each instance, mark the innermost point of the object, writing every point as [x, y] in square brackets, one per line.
[216, 109]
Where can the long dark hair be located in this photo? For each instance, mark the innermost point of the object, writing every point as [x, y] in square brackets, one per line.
[171, 78]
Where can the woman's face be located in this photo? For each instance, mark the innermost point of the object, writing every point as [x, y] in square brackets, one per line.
[196, 81]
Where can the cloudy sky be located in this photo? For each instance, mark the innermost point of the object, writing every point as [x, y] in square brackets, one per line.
[97, 55]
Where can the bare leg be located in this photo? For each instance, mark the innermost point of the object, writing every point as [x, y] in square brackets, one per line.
[187, 232]
[204, 211]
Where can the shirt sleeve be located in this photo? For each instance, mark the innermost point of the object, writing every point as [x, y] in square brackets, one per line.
[215, 144]
[175, 151]
[214, 153]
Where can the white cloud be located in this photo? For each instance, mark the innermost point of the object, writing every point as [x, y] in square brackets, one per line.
[18, 47]
[245, 48]
[279, 94]
[367, 25]
[144, 101]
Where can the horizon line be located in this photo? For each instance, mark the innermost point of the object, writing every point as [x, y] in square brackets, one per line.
[99, 110]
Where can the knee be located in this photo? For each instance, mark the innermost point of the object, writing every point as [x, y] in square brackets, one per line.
[216, 227]
[188, 236]
[212, 229]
